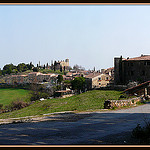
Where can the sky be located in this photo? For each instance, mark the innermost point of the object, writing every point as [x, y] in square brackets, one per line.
[89, 35]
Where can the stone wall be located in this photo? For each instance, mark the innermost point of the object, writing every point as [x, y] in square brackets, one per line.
[68, 95]
[109, 104]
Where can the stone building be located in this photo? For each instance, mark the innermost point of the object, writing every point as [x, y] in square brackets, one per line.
[59, 64]
[131, 69]
[97, 80]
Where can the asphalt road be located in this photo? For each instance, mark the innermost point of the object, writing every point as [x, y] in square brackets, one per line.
[84, 130]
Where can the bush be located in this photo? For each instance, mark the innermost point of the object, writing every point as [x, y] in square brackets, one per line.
[1, 105]
[15, 105]
[143, 134]
[138, 132]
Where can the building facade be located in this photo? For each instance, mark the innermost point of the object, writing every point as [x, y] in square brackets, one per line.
[131, 69]
[97, 80]
[60, 64]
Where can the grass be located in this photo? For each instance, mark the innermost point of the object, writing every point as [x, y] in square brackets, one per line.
[89, 101]
[7, 95]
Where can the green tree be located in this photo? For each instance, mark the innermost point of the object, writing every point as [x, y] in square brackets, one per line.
[7, 69]
[35, 69]
[78, 84]
[30, 66]
[0, 72]
[55, 63]
[47, 66]
[60, 78]
[60, 68]
[22, 67]
[44, 66]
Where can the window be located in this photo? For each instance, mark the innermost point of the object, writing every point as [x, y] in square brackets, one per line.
[99, 83]
[99, 78]
[106, 78]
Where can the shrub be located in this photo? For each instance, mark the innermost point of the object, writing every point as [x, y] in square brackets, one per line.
[15, 105]
[138, 132]
[1, 105]
[142, 133]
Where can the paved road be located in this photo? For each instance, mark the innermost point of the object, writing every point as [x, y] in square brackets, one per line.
[74, 132]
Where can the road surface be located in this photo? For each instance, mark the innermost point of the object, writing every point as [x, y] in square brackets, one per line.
[79, 129]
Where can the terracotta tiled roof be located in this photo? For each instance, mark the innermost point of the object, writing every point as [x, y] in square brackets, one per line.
[144, 57]
[92, 75]
[110, 68]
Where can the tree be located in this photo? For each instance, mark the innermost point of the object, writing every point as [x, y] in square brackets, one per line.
[47, 66]
[60, 68]
[35, 69]
[0, 72]
[7, 69]
[44, 66]
[60, 78]
[78, 84]
[55, 63]
[77, 67]
[30, 66]
[22, 67]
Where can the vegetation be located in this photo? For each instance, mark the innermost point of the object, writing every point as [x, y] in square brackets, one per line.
[78, 84]
[10, 68]
[11, 94]
[60, 78]
[89, 101]
[52, 71]
[142, 133]
[39, 91]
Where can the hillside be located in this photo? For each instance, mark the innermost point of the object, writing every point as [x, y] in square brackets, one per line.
[89, 101]
[11, 94]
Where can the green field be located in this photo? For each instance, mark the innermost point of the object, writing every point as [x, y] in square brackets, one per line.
[11, 94]
[89, 101]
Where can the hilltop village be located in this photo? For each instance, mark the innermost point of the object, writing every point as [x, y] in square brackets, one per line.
[93, 79]
[129, 74]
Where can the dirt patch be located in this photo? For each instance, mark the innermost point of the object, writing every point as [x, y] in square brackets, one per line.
[64, 117]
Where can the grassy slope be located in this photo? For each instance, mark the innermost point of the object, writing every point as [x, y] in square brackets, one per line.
[91, 100]
[10, 94]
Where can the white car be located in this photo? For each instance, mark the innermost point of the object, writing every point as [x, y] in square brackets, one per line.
[42, 99]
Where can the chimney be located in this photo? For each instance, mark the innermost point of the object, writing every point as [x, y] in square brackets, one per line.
[142, 55]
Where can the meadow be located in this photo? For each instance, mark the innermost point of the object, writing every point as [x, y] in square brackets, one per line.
[89, 101]
[7, 95]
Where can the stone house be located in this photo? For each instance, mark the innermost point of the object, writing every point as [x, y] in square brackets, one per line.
[45, 77]
[32, 76]
[131, 69]
[97, 80]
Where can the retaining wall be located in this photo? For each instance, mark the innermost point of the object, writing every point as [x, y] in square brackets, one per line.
[109, 104]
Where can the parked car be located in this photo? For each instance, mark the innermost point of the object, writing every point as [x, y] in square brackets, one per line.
[42, 99]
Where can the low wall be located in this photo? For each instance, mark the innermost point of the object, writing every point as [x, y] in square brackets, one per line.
[109, 104]
[68, 95]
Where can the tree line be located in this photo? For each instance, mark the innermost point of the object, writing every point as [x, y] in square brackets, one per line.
[10, 68]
